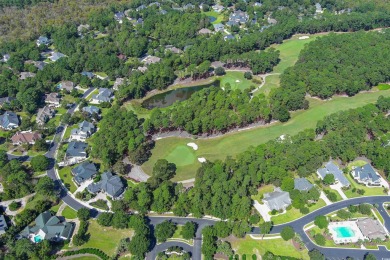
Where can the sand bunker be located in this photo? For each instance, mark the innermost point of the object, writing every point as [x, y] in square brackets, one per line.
[202, 159]
[238, 81]
[303, 37]
[193, 145]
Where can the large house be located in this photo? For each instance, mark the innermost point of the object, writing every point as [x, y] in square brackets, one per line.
[84, 131]
[104, 95]
[66, 85]
[366, 175]
[90, 110]
[83, 172]
[9, 120]
[277, 200]
[371, 229]
[219, 27]
[43, 40]
[119, 16]
[331, 168]
[3, 225]
[48, 227]
[26, 137]
[76, 152]
[45, 114]
[56, 56]
[53, 99]
[218, 8]
[150, 60]
[237, 18]
[26, 75]
[302, 184]
[110, 184]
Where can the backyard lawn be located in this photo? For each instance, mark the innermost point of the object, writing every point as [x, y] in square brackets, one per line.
[278, 246]
[66, 177]
[69, 213]
[104, 238]
[263, 189]
[238, 142]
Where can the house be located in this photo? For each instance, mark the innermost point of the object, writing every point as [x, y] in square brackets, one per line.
[76, 152]
[66, 85]
[331, 168]
[6, 100]
[318, 8]
[188, 6]
[26, 137]
[53, 99]
[104, 95]
[45, 114]
[6, 57]
[84, 131]
[83, 172]
[39, 65]
[25, 75]
[271, 21]
[56, 56]
[219, 27]
[90, 110]
[228, 37]
[172, 49]
[48, 227]
[150, 60]
[118, 82]
[109, 184]
[218, 8]
[142, 69]
[119, 16]
[366, 175]
[3, 225]
[163, 12]
[43, 40]
[371, 229]
[302, 184]
[154, 4]
[9, 120]
[277, 200]
[238, 17]
[205, 31]
[141, 7]
[257, 4]
[82, 28]
[139, 21]
[88, 74]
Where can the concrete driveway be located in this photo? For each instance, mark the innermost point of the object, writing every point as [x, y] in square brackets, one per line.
[263, 210]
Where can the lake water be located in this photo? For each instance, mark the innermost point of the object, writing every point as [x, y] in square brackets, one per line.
[168, 98]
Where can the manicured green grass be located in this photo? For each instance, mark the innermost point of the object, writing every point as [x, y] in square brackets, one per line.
[177, 233]
[104, 238]
[271, 82]
[56, 207]
[339, 198]
[218, 16]
[368, 191]
[236, 80]
[87, 258]
[238, 142]
[261, 191]
[182, 155]
[384, 86]
[294, 213]
[278, 246]
[66, 177]
[69, 213]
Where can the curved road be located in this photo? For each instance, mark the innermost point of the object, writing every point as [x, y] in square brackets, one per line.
[330, 253]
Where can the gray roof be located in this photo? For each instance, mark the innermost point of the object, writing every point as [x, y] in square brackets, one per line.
[43, 40]
[238, 17]
[3, 225]
[366, 173]
[371, 228]
[302, 184]
[84, 172]
[141, 7]
[277, 199]
[9, 120]
[52, 226]
[229, 37]
[39, 64]
[91, 110]
[76, 149]
[88, 74]
[56, 56]
[25, 75]
[85, 129]
[104, 95]
[110, 184]
[119, 15]
[6, 100]
[44, 114]
[331, 168]
[218, 27]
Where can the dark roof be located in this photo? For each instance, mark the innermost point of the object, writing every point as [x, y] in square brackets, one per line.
[76, 149]
[3, 225]
[9, 120]
[110, 184]
[84, 172]
[366, 173]
[302, 184]
[88, 74]
[104, 95]
[331, 168]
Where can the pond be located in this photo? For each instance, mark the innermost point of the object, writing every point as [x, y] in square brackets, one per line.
[168, 98]
[212, 19]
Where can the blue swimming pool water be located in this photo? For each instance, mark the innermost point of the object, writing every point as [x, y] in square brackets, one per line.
[344, 232]
[37, 239]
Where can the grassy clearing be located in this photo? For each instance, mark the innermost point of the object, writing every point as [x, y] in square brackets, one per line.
[294, 213]
[278, 246]
[271, 82]
[218, 16]
[384, 86]
[66, 177]
[69, 213]
[104, 238]
[236, 80]
[235, 143]
[56, 207]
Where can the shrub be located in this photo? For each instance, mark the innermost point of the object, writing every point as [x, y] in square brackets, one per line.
[320, 239]
[287, 233]
[14, 205]
[219, 71]
[321, 222]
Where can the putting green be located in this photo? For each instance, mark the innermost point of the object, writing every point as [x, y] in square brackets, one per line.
[181, 155]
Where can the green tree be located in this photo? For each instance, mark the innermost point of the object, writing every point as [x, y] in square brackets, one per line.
[328, 179]
[287, 233]
[369, 256]
[265, 227]
[162, 171]
[321, 222]
[40, 163]
[248, 75]
[105, 219]
[45, 186]
[219, 71]
[365, 209]
[188, 230]
[343, 214]
[14, 205]
[83, 214]
[320, 239]
[316, 255]
[164, 230]
[288, 184]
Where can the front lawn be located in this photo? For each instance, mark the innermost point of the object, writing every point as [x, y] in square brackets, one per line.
[104, 238]
[294, 213]
[277, 246]
[69, 213]
[66, 177]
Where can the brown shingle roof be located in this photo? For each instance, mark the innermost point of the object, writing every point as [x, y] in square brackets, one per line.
[25, 137]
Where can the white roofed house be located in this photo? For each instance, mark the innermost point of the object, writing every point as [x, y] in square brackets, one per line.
[219, 27]
[318, 8]
[366, 175]
[85, 130]
[277, 200]
[104, 95]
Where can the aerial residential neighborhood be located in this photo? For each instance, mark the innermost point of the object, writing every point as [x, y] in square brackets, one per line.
[197, 129]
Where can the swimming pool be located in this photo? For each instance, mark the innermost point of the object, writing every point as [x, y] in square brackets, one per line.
[344, 232]
[37, 239]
